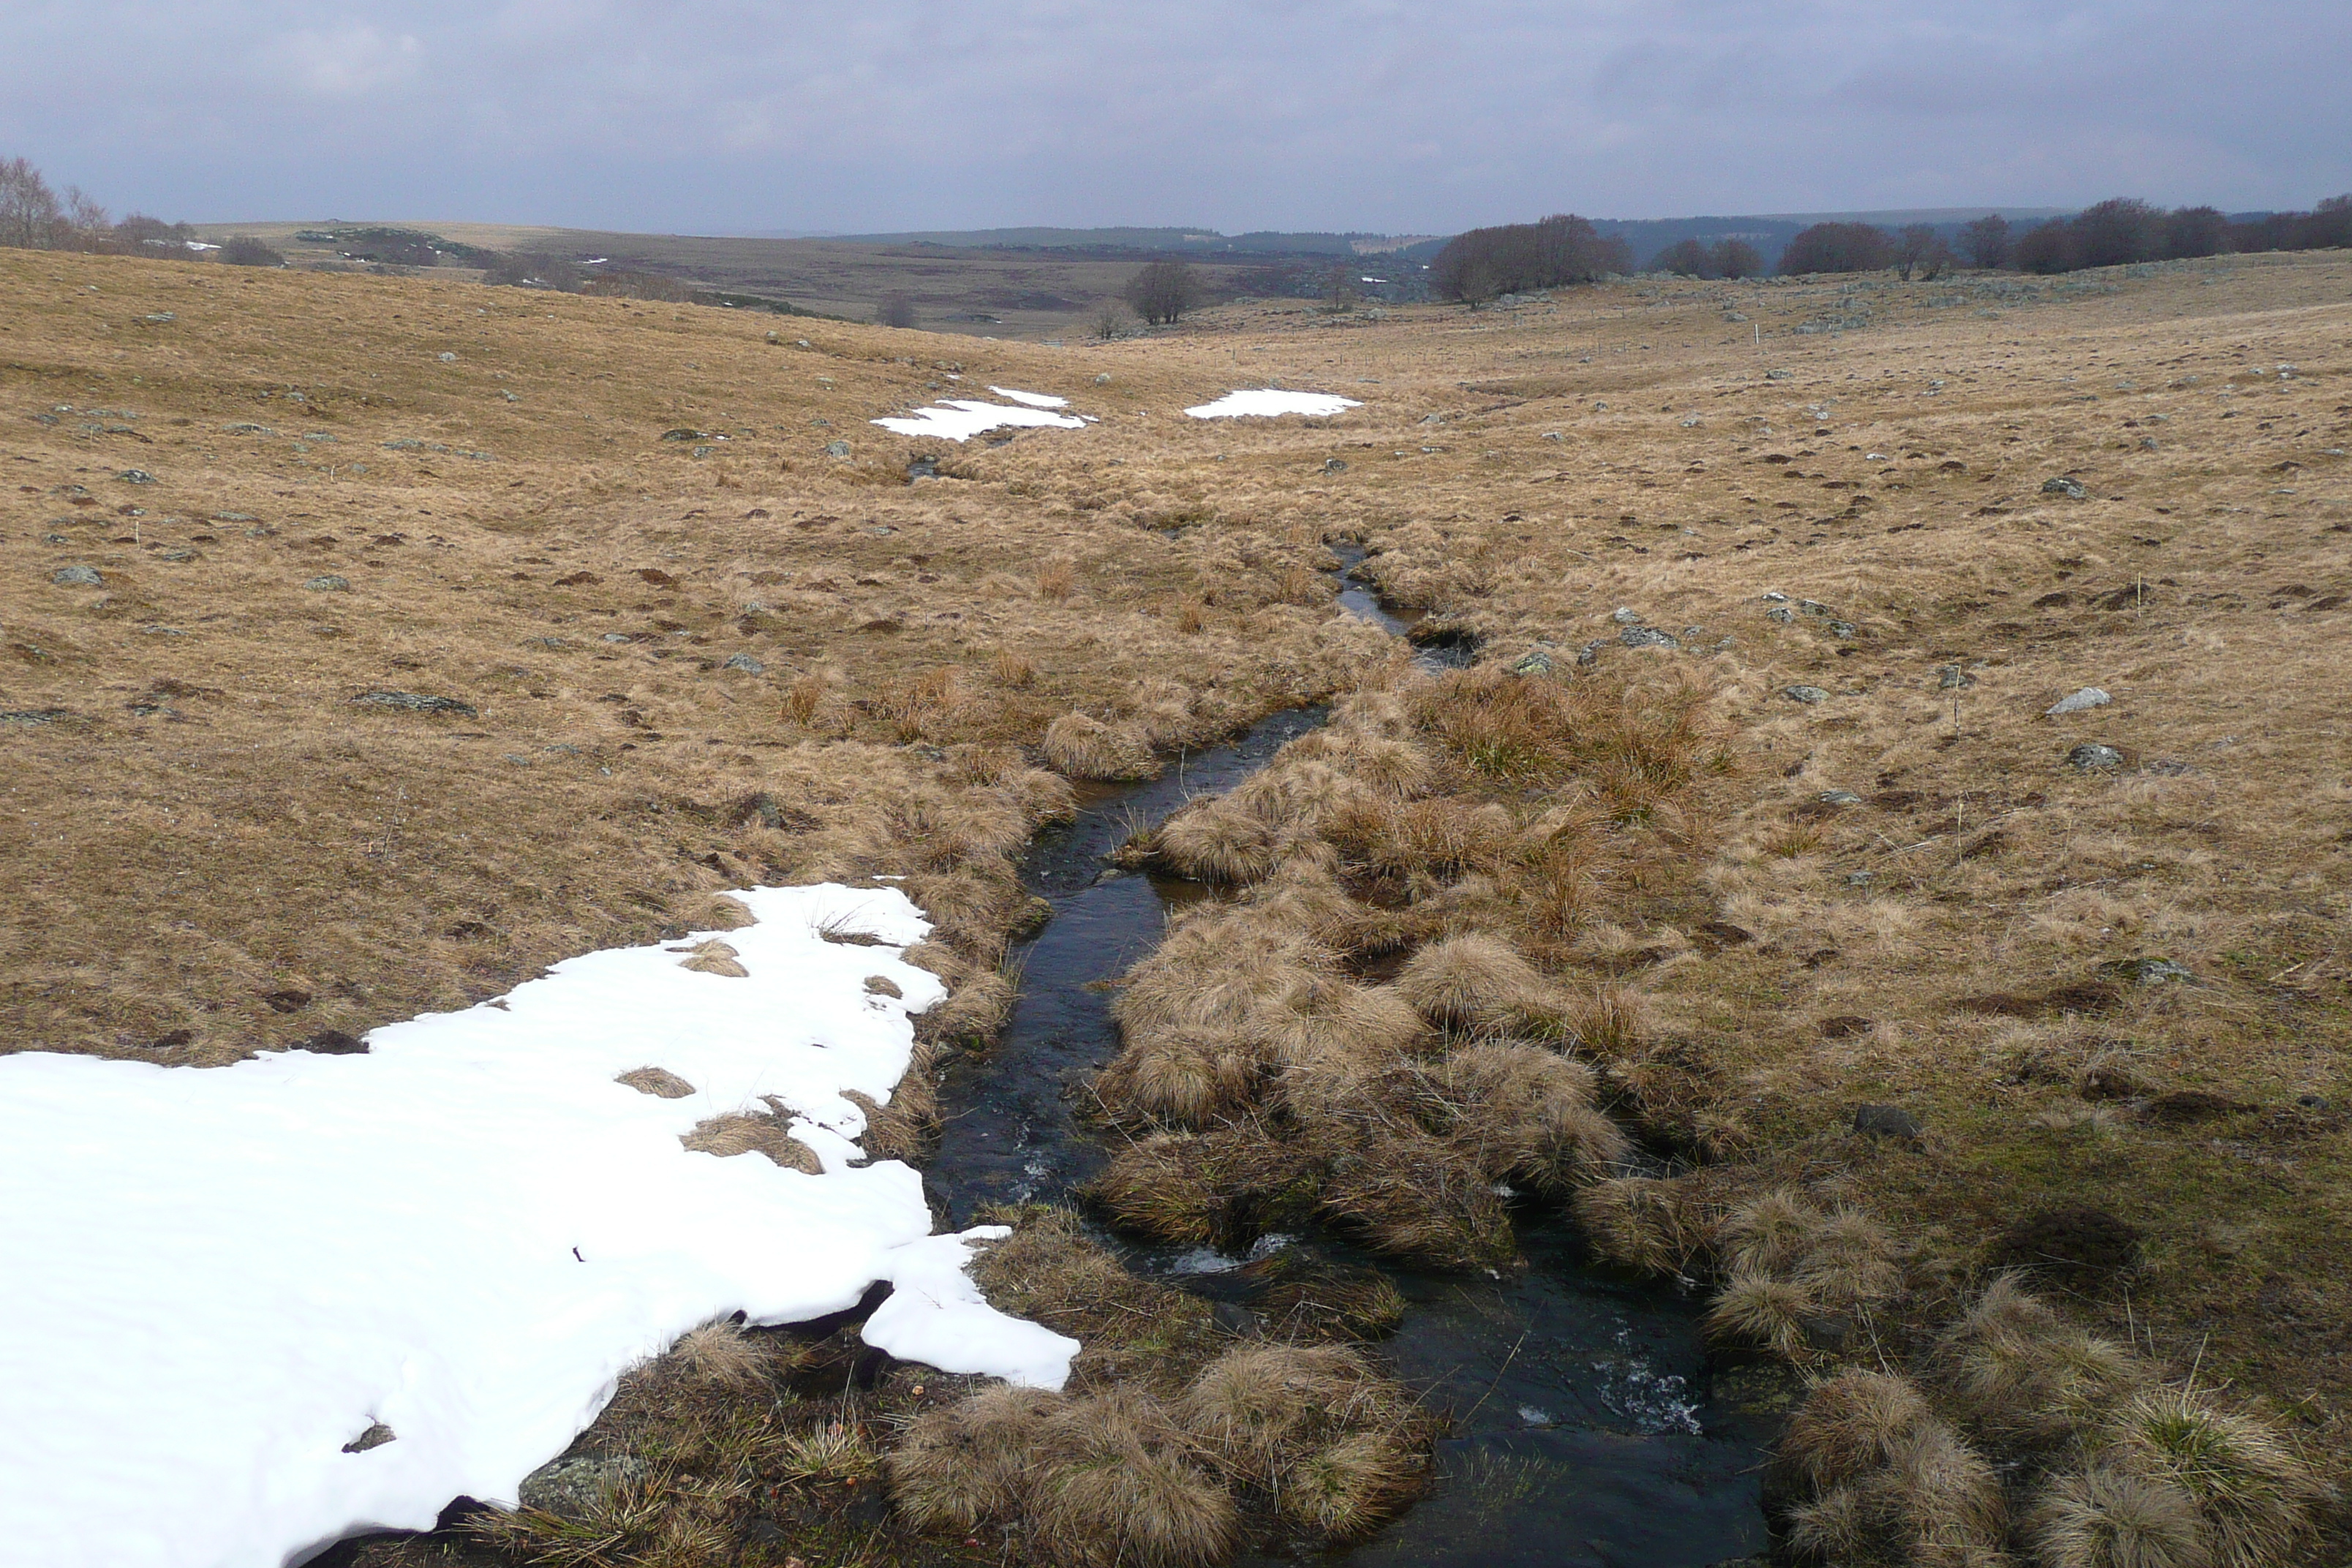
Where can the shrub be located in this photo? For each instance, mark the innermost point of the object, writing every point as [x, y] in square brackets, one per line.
[2194, 231]
[2118, 231]
[1919, 248]
[2049, 248]
[1112, 320]
[533, 269]
[1561, 249]
[244, 250]
[1161, 291]
[1735, 259]
[1684, 257]
[1986, 241]
[897, 310]
[1838, 248]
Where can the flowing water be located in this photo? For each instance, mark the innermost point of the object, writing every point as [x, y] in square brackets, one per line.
[1589, 1426]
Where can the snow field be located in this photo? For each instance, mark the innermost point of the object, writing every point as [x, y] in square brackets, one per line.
[216, 1278]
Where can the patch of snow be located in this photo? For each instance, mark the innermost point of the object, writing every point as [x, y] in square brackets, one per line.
[1267, 401]
[1033, 399]
[465, 1236]
[961, 418]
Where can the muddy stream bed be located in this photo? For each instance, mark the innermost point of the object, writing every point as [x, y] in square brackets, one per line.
[1589, 1423]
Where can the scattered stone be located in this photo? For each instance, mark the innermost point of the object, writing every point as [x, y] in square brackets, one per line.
[1951, 678]
[2091, 756]
[1647, 636]
[1779, 375]
[618, 636]
[1813, 607]
[1839, 797]
[1537, 662]
[1844, 629]
[576, 1488]
[415, 702]
[1624, 617]
[1691, 423]
[1885, 1120]
[1103, 380]
[1781, 614]
[1334, 465]
[1776, 597]
[78, 576]
[1808, 695]
[1589, 654]
[2147, 971]
[30, 717]
[136, 477]
[329, 583]
[1859, 878]
[746, 663]
[836, 449]
[685, 433]
[164, 319]
[2071, 489]
[2088, 698]
[446, 357]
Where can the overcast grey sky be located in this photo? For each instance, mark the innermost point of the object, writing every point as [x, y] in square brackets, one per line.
[1395, 115]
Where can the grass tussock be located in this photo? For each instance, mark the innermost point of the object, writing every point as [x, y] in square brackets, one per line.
[1084, 747]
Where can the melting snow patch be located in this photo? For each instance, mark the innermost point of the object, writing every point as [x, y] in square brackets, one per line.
[961, 418]
[1033, 399]
[1268, 402]
[232, 1276]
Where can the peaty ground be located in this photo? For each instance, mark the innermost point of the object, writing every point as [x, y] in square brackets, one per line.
[570, 515]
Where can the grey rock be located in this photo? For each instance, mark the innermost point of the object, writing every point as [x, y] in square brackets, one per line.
[2091, 756]
[616, 636]
[1776, 597]
[1647, 636]
[1952, 677]
[1334, 465]
[744, 662]
[1433, 419]
[1886, 1121]
[1813, 607]
[1537, 662]
[2088, 698]
[136, 477]
[446, 357]
[1624, 617]
[2062, 485]
[77, 576]
[1780, 613]
[31, 718]
[1842, 629]
[161, 317]
[177, 555]
[1838, 798]
[572, 1488]
[2151, 971]
[1779, 375]
[2148, 443]
[1103, 380]
[1693, 634]
[375, 1436]
[1553, 435]
[836, 449]
[415, 702]
[1808, 695]
[329, 583]
[1589, 654]
[1859, 878]
[1691, 423]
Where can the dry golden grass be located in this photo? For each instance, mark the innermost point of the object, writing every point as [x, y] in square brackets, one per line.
[1901, 892]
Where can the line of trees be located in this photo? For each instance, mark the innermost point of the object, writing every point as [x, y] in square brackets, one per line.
[2111, 234]
[1476, 266]
[1695, 259]
[35, 217]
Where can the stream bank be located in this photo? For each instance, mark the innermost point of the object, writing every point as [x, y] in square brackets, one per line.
[1589, 1426]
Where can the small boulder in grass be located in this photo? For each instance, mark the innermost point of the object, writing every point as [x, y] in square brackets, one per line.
[329, 583]
[416, 702]
[2081, 701]
[2093, 757]
[1887, 1121]
[78, 577]
[1810, 696]
[2062, 485]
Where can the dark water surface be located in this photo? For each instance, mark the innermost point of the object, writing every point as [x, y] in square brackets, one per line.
[1589, 1426]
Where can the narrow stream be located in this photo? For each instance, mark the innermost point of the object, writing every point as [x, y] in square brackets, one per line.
[1590, 1426]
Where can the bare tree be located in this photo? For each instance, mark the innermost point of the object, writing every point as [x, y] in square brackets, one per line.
[897, 310]
[244, 250]
[1112, 320]
[2195, 231]
[29, 214]
[1735, 259]
[1684, 258]
[1562, 249]
[1838, 248]
[1986, 240]
[1161, 291]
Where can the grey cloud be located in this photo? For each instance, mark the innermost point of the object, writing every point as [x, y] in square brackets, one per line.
[1401, 115]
